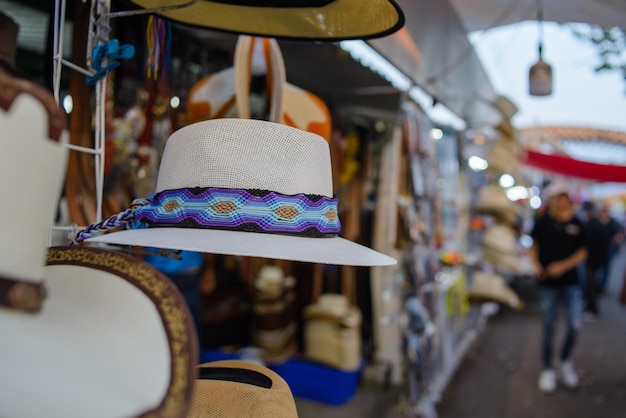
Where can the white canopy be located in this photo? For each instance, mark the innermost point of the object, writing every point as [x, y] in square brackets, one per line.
[482, 14]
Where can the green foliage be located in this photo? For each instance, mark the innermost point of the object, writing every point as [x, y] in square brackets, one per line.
[610, 44]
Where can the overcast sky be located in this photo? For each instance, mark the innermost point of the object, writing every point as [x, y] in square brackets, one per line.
[580, 97]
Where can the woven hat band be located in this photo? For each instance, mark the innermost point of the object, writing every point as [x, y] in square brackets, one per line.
[243, 210]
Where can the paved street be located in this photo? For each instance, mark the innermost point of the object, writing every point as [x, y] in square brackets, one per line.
[498, 378]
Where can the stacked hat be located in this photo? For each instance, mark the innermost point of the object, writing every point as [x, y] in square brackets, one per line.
[332, 332]
[235, 388]
[492, 287]
[503, 156]
[492, 200]
[499, 247]
[273, 319]
[507, 109]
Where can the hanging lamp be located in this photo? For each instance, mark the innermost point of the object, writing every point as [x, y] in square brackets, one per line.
[540, 74]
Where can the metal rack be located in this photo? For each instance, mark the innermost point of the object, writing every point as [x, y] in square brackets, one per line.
[99, 33]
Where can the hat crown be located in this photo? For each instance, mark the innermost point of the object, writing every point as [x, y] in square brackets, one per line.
[500, 237]
[31, 175]
[246, 154]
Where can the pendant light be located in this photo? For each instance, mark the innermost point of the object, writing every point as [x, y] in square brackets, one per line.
[540, 74]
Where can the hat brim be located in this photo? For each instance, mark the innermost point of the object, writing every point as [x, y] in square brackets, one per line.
[114, 338]
[284, 247]
[338, 20]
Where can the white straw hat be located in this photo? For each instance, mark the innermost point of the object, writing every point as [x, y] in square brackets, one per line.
[505, 106]
[503, 156]
[32, 166]
[93, 333]
[499, 247]
[113, 338]
[308, 19]
[500, 238]
[332, 332]
[242, 187]
[492, 287]
[492, 199]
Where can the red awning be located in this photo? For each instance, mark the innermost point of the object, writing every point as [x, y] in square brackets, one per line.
[575, 168]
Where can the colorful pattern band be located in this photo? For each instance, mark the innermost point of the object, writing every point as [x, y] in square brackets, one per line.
[242, 210]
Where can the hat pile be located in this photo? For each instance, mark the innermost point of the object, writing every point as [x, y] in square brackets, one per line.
[503, 156]
[499, 247]
[332, 332]
[492, 287]
[273, 319]
[507, 110]
[492, 200]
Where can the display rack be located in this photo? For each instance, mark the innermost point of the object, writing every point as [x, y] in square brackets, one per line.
[99, 33]
[435, 344]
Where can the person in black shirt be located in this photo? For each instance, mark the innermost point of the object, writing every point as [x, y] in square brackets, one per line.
[558, 248]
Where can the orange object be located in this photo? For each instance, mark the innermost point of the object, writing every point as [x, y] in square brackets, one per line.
[226, 94]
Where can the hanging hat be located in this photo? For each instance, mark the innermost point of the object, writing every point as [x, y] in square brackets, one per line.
[323, 20]
[503, 156]
[92, 333]
[236, 388]
[506, 107]
[242, 187]
[492, 287]
[506, 128]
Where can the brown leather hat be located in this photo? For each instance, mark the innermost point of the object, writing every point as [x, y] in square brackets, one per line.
[8, 34]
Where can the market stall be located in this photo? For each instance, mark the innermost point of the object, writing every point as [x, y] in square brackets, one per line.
[138, 82]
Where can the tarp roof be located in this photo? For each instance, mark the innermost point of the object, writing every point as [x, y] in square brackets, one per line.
[482, 14]
[433, 50]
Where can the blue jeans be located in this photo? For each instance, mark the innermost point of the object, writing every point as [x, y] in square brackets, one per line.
[551, 298]
[613, 250]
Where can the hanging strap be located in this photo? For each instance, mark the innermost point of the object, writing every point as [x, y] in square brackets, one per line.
[276, 76]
